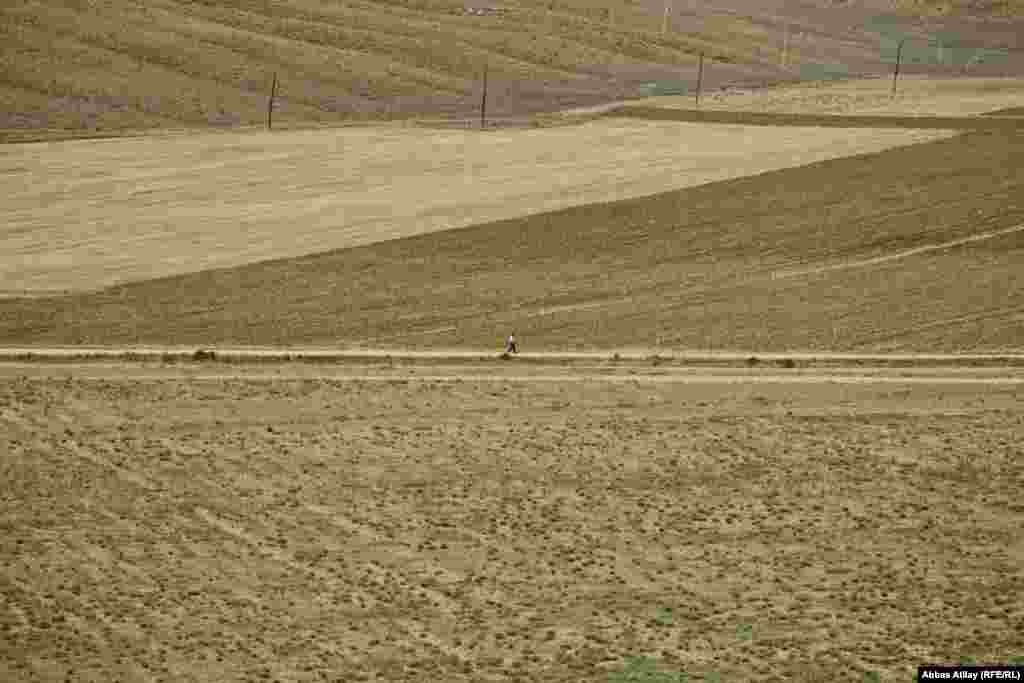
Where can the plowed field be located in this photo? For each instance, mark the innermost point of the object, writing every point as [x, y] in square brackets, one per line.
[297, 524]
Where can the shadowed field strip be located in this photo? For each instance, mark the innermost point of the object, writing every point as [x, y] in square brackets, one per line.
[749, 118]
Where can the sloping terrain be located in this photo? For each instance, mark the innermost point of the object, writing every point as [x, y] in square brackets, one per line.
[122, 64]
[98, 67]
[83, 215]
[89, 214]
[868, 252]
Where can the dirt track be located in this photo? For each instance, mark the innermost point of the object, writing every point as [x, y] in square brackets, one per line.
[537, 368]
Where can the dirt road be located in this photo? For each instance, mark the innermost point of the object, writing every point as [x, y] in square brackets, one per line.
[437, 367]
[297, 353]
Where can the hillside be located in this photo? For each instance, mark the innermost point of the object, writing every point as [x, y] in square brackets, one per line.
[971, 8]
[917, 248]
[96, 67]
[123, 64]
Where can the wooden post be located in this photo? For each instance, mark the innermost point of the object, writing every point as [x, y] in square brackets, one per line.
[700, 78]
[664, 21]
[899, 58]
[270, 103]
[785, 49]
[483, 101]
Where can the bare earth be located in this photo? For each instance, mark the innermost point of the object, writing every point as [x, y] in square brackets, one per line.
[87, 214]
[442, 522]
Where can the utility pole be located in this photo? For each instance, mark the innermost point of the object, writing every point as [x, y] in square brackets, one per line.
[785, 49]
[700, 78]
[270, 102]
[483, 101]
[899, 58]
[664, 21]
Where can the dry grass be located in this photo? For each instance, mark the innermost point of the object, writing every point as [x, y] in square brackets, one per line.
[915, 96]
[123, 65]
[995, 8]
[85, 215]
[706, 267]
[284, 529]
[91, 214]
[102, 68]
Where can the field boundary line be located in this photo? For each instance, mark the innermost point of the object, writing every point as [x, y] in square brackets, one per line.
[568, 378]
[23, 354]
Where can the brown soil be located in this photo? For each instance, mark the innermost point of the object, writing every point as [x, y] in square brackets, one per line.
[164, 526]
[1008, 123]
[151, 207]
[709, 267]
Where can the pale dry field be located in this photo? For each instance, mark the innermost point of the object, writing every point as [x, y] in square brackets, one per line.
[86, 214]
[915, 96]
[371, 522]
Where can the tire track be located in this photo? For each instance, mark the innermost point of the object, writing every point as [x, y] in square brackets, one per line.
[886, 258]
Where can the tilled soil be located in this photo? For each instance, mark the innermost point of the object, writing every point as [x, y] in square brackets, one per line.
[911, 249]
[238, 529]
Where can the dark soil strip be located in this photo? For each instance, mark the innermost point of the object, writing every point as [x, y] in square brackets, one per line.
[822, 120]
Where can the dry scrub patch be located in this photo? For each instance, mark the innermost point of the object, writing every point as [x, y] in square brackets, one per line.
[87, 214]
[488, 531]
[916, 96]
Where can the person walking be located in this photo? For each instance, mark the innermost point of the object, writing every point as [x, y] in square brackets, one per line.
[510, 344]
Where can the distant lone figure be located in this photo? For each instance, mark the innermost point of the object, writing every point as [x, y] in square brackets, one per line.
[510, 344]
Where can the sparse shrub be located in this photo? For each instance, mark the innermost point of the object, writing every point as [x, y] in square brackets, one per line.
[664, 617]
[788, 363]
[202, 355]
[872, 677]
[752, 361]
[645, 670]
[745, 632]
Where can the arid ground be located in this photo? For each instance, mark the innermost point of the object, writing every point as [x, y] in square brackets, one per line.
[85, 215]
[88, 214]
[89, 69]
[914, 248]
[703, 486]
[453, 520]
